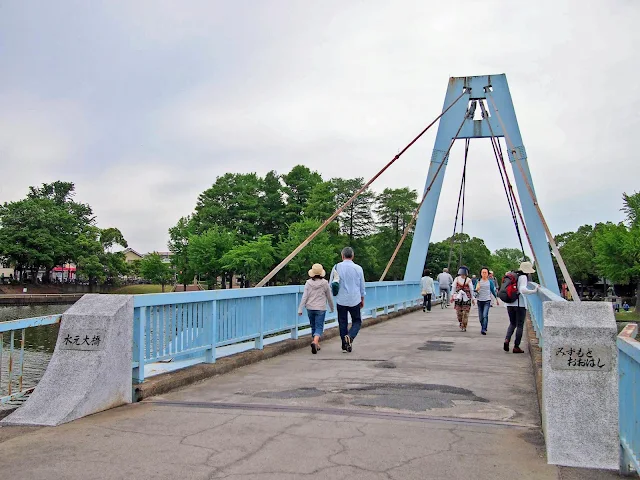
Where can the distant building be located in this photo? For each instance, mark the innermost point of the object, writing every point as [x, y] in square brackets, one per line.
[130, 255]
[166, 256]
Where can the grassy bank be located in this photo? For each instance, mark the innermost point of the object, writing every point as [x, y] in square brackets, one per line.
[139, 289]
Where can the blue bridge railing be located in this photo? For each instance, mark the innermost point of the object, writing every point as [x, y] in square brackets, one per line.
[535, 304]
[193, 325]
[629, 385]
[12, 355]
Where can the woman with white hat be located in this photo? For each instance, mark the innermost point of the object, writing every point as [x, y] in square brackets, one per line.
[517, 308]
[315, 298]
[461, 294]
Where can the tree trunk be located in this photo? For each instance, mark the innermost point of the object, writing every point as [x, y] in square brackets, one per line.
[162, 287]
[638, 296]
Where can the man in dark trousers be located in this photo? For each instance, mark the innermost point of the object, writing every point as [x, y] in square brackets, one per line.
[350, 297]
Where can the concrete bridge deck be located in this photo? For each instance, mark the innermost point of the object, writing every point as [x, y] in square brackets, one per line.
[417, 399]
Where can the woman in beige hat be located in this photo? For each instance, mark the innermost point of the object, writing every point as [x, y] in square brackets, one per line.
[315, 298]
[517, 308]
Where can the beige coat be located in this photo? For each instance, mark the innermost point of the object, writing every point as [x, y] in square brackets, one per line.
[316, 295]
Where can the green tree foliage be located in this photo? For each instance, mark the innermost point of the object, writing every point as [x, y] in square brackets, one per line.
[617, 247]
[321, 204]
[356, 221]
[322, 250]
[179, 247]
[251, 259]
[299, 183]
[205, 253]
[394, 209]
[577, 251]
[153, 269]
[272, 206]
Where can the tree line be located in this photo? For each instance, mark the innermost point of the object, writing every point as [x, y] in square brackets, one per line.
[244, 224]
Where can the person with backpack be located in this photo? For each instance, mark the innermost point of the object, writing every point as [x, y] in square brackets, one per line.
[315, 298]
[347, 285]
[426, 284]
[462, 295]
[514, 285]
[485, 290]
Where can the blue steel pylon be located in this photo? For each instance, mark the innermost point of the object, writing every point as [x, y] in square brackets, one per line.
[477, 88]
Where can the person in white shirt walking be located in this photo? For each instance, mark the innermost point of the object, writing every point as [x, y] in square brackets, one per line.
[350, 297]
[426, 284]
[517, 308]
[445, 280]
[315, 298]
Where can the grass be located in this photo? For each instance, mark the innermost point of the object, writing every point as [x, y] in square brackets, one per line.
[630, 316]
[138, 289]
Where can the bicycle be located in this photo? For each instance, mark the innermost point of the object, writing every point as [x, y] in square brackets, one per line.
[444, 298]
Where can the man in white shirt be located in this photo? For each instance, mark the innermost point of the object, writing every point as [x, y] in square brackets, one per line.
[445, 280]
[350, 298]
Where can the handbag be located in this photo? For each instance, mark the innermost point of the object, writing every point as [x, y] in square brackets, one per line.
[423, 293]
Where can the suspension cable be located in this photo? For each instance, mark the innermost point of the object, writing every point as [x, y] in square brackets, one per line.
[462, 187]
[289, 257]
[552, 241]
[464, 197]
[468, 114]
[511, 196]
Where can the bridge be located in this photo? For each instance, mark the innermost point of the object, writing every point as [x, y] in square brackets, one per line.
[417, 398]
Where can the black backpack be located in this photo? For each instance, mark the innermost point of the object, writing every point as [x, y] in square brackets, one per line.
[509, 289]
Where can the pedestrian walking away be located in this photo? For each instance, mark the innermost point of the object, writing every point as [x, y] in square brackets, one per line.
[315, 298]
[426, 284]
[349, 298]
[461, 294]
[514, 285]
[485, 290]
[445, 280]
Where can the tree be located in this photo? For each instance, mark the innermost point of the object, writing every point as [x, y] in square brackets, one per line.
[617, 247]
[356, 221]
[272, 207]
[320, 250]
[394, 209]
[152, 268]
[578, 254]
[299, 183]
[251, 259]
[232, 202]
[205, 252]
[321, 204]
[179, 247]
[506, 260]
[475, 254]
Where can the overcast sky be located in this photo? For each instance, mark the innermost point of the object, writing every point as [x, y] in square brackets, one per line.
[143, 103]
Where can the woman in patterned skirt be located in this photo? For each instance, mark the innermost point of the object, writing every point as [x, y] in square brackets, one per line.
[461, 294]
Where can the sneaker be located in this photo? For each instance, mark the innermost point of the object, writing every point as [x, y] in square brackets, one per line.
[517, 350]
[347, 341]
[506, 346]
[344, 345]
[424, 309]
[483, 332]
[314, 348]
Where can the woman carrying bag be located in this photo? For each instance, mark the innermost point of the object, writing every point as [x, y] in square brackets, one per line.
[461, 294]
[315, 298]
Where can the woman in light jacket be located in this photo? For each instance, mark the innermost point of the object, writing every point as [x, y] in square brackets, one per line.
[518, 310]
[315, 298]
[485, 289]
[426, 284]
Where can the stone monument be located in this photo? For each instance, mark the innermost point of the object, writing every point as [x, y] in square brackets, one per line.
[90, 370]
[580, 385]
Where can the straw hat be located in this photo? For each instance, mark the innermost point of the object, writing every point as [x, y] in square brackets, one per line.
[317, 270]
[526, 267]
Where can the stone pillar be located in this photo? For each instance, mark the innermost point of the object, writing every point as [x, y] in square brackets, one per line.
[580, 385]
[90, 370]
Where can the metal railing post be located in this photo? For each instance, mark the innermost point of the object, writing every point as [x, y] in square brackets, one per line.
[212, 339]
[294, 330]
[260, 339]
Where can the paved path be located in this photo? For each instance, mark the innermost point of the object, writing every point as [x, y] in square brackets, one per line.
[417, 399]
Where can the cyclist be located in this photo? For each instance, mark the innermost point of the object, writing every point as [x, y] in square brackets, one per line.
[445, 280]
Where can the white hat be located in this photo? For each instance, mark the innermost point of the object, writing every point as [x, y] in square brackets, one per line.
[317, 270]
[526, 267]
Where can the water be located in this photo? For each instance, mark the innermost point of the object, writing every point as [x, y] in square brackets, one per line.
[39, 345]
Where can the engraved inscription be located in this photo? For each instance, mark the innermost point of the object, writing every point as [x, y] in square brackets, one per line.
[581, 358]
[83, 339]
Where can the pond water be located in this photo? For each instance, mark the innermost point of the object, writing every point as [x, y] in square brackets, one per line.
[39, 345]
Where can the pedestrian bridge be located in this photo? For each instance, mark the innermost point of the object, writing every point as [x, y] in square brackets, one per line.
[438, 401]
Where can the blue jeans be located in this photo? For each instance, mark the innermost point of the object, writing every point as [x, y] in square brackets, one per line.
[316, 320]
[356, 321]
[483, 313]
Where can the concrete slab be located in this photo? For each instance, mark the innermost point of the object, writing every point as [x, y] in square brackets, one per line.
[466, 412]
